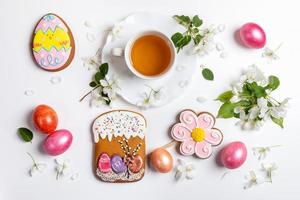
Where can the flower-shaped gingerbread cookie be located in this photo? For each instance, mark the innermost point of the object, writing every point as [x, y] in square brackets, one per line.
[196, 133]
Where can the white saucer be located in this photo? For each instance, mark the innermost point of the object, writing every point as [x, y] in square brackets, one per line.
[132, 87]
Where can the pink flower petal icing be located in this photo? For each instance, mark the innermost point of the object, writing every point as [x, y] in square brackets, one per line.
[187, 147]
[189, 118]
[213, 136]
[203, 149]
[180, 132]
[205, 121]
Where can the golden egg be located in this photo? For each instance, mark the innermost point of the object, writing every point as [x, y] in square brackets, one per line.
[161, 160]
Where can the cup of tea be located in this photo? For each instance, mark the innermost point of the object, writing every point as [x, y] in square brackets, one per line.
[148, 54]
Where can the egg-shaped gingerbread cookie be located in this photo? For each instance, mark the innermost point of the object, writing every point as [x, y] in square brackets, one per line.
[53, 45]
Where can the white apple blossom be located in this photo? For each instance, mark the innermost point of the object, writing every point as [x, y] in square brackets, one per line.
[262, 152]
[253, 179]
[36, 167]
[254, 74]
[207, 44]
[110, 86]
[184, 170]
[97, 100]
[152, 98]
[269, 168]
[271, 54]
[62, 168]
[91, 62]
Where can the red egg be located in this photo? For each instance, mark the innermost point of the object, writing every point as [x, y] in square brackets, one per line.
[233, 155]
[161, 160]
[58, 142]
[45, 119]
[252, 36]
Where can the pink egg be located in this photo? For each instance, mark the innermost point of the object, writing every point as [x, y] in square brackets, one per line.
[233, 155]
[252, 36]
[58, 142]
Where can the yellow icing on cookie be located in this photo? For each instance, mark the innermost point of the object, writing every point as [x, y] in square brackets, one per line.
[58, 39]
[198, 134]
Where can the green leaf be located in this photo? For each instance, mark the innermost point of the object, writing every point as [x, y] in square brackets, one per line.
[207, 74]
[195, 30]
[25, 134]
[176, 38]
[182, 19]
[258, 90]
[103, 69]
[196, 21]
[226, 110]
[93, 84]
[277, 121]
[98, 77]
[225, 96]
[197, 38]
[273, 83]
[185, 41]
[244, 103]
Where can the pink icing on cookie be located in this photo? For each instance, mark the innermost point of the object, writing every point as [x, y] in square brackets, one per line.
[50, 21]
[196, 133]
[52, 59]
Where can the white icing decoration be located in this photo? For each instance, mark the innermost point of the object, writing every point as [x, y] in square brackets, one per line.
[119, 123]
[112, 177]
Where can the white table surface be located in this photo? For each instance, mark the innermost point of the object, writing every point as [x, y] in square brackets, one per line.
[280, 20]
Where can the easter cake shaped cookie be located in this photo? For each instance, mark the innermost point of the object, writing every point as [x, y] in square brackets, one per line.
[53, 44]
[119, 138]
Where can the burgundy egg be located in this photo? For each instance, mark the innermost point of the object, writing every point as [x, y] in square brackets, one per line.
[252, 36]
[233, 155]
[58, 142]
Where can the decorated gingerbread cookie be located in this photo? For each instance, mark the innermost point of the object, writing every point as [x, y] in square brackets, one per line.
[53, 44]
[119, 138]
[197, 133]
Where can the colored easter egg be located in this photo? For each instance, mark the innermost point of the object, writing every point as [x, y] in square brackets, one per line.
[58, 142]
[135, 163]
[252, 36]
[233, 155]
[53, 44]
[161, 160]
[104, 163]
[117, 164]
[45, 119]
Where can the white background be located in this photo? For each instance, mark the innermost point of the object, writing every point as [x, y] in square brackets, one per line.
[18, 73]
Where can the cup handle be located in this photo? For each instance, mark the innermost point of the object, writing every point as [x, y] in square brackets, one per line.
[119, 52]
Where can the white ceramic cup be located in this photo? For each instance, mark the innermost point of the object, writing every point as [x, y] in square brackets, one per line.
[126, 53]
